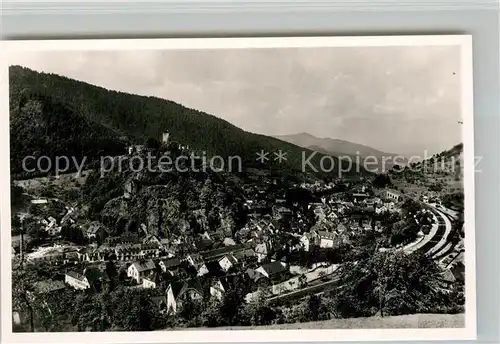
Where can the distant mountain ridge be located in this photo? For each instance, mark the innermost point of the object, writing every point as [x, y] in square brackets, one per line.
[341, 148]
[112, 115]
[332, 145]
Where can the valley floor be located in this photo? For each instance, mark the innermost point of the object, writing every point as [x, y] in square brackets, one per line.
[376, 322]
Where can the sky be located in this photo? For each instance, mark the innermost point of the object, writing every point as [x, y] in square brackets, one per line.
[403, 100]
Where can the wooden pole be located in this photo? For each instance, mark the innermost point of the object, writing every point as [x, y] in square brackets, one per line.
[21, 247]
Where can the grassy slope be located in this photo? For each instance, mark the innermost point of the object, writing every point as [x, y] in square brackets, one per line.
[401, 321]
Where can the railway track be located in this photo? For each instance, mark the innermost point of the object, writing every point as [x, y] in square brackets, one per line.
[437, 247]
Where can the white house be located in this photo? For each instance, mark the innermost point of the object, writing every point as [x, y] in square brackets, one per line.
[392, 195]
[95, 229]
[327, 239]
[51, 226]
[150, 281]
[229, 242]
[319, 213]
[76, 280]
[307, 241]
[150, 250]
[152, 239]
[332, 216]
[195, 259]
[381, 209]
[39, 201]
[201, 270]
[206, 236]
[265, 225]
[67, 216]
[177, 292]
[87, 279]
[262, 251]
[218, 288]
[227, 262]
[139, 269]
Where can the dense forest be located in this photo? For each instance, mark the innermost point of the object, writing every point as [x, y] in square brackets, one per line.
[41, 126]
[54, 115]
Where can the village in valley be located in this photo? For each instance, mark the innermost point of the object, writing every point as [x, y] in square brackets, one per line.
[201, 249]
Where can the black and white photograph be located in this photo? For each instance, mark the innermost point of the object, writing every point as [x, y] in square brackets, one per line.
[222, 189]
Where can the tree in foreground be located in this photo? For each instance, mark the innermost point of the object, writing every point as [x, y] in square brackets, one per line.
[395, 283]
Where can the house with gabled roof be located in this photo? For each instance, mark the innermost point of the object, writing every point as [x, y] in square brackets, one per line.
[446, 278]
[160, 301]
[308, 240]
[138, 269]
[202, 270]
[227, 262]
[125, 238]
[253, 275]
[196, 261]
[457, 267]
[127, 252]
[150, 250]
[152, 239]
[91, 277]
[51, 226]
[76, 280]
[392, 195]
[229, 242]
[327, 239]
[262, 250]
[104, 252]
[96, 230]
[179, 292]
[218, 288]
[91, 254]
[170, 266]
[244, 255]
[40, 290]
[274, 270]
[151, 280]
[67, 218]
[265, 225]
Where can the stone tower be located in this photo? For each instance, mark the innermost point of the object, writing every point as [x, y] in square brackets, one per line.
[164, 138]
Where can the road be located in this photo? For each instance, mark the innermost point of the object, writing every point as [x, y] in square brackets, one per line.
[305, 291]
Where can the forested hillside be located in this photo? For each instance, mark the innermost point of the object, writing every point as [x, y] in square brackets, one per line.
[82, 117]
[40, 126]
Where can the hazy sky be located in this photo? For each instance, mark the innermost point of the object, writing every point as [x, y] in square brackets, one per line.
[396, 99]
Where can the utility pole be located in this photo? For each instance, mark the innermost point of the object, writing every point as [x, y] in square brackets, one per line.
[21, 247]
[382, 280]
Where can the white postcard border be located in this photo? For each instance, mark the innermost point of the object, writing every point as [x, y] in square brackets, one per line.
[200, 336]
